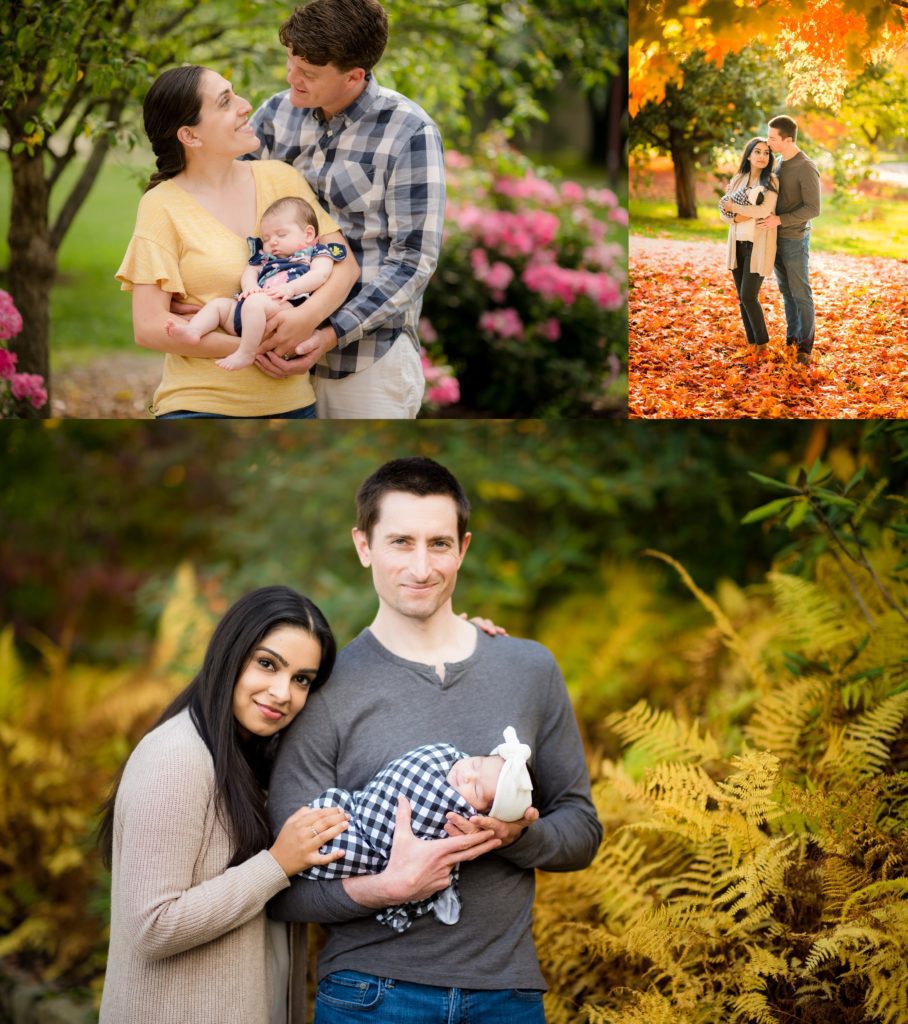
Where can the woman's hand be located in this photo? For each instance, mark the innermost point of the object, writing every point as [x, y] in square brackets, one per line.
[486, 625]
[304, 833]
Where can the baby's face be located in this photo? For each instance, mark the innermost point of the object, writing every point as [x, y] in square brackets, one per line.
[476, 779]
[283, 235]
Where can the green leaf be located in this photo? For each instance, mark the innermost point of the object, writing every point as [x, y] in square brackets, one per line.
[765, 511]
[856, 479]
[775, 484]
[798, 512]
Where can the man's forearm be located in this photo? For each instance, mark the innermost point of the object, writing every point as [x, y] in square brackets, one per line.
[317, 901]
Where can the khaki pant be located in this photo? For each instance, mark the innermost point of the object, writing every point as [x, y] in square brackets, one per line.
[391, 388]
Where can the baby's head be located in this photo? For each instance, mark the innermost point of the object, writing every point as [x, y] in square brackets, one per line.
[498, 784]
[287, 225]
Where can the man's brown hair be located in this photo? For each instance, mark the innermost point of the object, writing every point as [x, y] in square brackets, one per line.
[346, 33]
[786, 126]
[414, 475]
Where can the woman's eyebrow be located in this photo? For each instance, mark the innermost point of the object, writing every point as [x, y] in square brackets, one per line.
[274, 654]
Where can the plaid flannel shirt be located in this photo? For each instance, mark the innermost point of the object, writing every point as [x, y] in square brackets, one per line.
[378, 168]
[420, 776]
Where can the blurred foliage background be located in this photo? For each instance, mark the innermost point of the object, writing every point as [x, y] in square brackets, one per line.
[121, 544]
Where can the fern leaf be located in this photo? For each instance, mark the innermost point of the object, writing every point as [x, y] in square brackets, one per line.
[813, 618]
[660, 735]
[729, 634]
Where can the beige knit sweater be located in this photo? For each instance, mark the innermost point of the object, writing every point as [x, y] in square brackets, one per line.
[188, 936]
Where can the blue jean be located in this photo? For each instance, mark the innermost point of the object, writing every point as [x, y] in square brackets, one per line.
[792, 256]
[346, 997]
[306, 413]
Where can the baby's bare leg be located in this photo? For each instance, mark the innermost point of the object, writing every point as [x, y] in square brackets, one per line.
[253, 315]
[214, 314]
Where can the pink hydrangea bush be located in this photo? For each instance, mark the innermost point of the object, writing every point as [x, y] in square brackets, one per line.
[15, 387]
[529, 301]
[442, 387]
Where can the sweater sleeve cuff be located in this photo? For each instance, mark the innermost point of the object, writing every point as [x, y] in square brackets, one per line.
[271, 874]
[525, 851]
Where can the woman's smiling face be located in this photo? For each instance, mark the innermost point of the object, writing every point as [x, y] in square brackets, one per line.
[274, 685]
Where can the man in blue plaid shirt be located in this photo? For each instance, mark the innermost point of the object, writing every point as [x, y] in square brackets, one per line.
[374, 158]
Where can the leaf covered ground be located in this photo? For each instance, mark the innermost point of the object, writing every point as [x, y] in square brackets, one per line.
[689, 358]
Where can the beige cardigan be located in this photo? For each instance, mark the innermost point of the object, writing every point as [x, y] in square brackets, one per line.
[764, 251]
[189, 940]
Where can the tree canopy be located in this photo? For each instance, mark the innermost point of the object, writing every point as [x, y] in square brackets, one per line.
[822, 44]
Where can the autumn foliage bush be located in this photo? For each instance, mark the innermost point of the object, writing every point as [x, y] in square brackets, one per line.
[755, 863]
[528, 302]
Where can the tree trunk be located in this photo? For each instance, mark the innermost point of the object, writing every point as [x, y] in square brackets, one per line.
[613, 120]
[32, 268]
[685, 182]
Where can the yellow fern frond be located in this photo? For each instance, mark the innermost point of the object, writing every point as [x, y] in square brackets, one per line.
[782, 717]
[815, 619]
[866, 742]
[729, 634]
[661, 736]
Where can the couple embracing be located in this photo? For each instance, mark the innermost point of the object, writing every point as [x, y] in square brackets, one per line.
[282, 255]
[770, 209]
[248, 790]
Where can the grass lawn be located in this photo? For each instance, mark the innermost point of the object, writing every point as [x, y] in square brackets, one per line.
[88, 310]
[858, 227]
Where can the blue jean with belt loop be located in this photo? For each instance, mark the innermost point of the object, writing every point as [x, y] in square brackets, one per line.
[346, 997]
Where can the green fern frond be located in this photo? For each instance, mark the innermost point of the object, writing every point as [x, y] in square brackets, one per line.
[660, 735]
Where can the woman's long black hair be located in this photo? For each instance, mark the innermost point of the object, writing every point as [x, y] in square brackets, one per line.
[241, 767]
[766, 172]
[172, 101]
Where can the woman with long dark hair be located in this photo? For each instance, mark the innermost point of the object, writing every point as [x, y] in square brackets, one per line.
[190, 243]
[186, 834]
[751, 194]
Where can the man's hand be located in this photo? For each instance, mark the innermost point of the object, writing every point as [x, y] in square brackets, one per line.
[507, 831]
[772, 221]
[308, 354]
[417, 868]
[182, 308]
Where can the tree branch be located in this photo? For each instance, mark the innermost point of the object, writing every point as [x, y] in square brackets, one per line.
[89, 173]
[62, 161]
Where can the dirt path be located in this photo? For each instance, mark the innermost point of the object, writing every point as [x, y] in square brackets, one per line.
[118, 386]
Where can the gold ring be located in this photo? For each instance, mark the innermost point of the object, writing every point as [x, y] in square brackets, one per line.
[314, 831]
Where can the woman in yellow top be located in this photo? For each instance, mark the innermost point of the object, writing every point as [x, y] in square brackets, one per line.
[190, 244]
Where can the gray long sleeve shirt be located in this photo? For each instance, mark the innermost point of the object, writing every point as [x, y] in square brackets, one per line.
[799, 195]
[377, 706]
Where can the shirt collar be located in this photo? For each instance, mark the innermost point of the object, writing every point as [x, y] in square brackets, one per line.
[357, 108]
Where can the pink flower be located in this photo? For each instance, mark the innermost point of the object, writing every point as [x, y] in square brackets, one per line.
[445, 392]
[499, 276]
[426, 331]
[618, 216]
[506, 323]
[571, 192]
[551, 329]
[29, 386]
[455, 159]
[602, 197]
[10, 320]
[7, 364]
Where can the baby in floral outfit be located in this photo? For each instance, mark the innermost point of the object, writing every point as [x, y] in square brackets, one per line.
[285, 265]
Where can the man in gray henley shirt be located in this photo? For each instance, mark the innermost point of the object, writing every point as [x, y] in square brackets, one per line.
[420, 674]
[798, 204]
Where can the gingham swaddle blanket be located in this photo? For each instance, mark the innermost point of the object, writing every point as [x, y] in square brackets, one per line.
[420, 776]
[740, 197]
